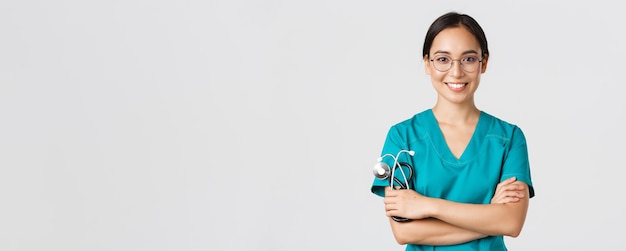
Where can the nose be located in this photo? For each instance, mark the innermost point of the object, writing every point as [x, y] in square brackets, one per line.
[456, 68]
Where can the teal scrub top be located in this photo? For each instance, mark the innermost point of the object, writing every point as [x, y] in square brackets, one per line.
[496, 152]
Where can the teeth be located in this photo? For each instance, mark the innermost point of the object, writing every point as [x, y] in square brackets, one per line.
[456, 86]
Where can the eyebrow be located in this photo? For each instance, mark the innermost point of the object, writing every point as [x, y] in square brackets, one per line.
[464, 53]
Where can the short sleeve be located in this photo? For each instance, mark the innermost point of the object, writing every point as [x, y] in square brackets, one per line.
[393, 144]
[516, 163]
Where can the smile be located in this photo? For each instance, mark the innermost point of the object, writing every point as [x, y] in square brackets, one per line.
[456, 85]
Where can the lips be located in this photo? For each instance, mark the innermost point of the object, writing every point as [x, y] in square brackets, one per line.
[456, 86]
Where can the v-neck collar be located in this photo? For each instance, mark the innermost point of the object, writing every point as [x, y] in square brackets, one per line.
[440, 144]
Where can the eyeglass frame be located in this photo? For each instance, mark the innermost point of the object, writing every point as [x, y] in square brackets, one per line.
[460, 63]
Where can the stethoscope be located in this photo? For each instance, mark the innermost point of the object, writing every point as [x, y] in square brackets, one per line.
[382, 172]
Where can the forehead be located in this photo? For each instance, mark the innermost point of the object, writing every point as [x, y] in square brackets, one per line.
[455, 41]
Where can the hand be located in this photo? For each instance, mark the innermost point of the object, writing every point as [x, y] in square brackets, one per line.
[406, 203]
[507, 191]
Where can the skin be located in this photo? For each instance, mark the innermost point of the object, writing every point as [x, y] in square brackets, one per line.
[438, 221]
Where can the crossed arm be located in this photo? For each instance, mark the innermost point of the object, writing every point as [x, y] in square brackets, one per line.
[442, 222]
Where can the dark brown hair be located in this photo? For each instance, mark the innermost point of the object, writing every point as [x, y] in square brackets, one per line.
[455, 19]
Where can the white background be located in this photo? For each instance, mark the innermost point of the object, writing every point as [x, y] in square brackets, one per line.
[254, 125]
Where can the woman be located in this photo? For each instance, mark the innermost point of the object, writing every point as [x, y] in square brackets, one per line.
[471, 180]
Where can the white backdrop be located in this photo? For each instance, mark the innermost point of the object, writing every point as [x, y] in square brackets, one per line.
[254, 125]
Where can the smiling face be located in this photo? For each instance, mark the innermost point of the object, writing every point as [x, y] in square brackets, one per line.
[458, 84]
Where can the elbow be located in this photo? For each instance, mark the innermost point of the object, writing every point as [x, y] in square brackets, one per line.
[402, 240]
[514, 225]
[405, 237]
[401, 235]
[514, 230]
[514, 234]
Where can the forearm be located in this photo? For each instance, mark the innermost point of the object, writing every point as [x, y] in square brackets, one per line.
[431, 231]
[488, 219]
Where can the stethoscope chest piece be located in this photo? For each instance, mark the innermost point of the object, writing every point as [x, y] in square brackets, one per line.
[382, 170]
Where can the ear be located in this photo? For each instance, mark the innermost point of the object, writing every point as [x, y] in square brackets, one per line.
[427, 65]
[483, 67]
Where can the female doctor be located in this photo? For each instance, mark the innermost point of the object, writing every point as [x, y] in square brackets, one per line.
[471, 176]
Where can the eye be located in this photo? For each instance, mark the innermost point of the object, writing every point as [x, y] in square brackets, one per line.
[442, 60]
[470, 59]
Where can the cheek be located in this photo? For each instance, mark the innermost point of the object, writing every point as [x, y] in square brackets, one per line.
[436, 76]
[477, 77]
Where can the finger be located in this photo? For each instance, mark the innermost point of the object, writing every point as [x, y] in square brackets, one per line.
[515, 194]
[512, 194]
[504, 200]
[504, 183]
[498, 200]
[387, 190]
[388, 201]
[391, 194]
[508, 181]
[508, 187]
[390, 207]
[385, 201]
[391, 191]
[509, 200]
[505, 195]
[513, 186]
[392, 212]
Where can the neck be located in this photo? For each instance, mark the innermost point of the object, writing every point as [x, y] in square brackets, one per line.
[452, 113]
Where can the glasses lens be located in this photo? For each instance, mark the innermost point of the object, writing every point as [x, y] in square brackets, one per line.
[469, 64]
[442, 63]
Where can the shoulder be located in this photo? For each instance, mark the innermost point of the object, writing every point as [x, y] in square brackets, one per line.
[417, 121]
[413, 128]
[501, 128]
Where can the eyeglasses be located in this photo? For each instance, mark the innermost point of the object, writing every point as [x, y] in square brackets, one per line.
[468, 64]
